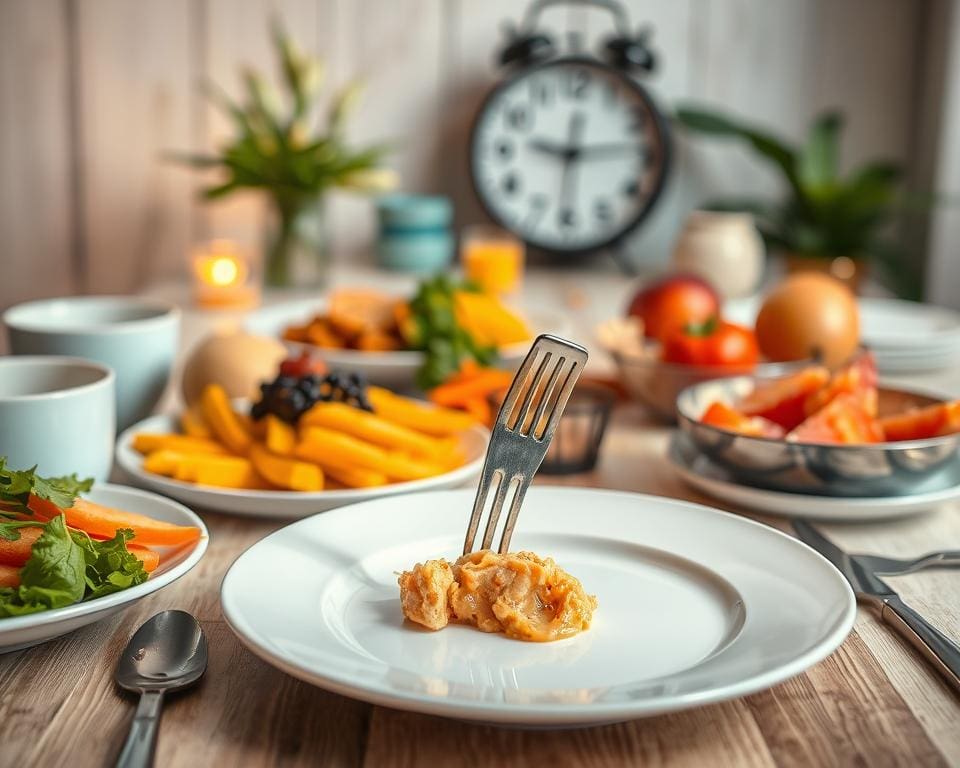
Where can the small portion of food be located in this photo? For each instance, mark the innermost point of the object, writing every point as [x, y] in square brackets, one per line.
[451, 322]
[783, 400]
[355, 319]
[673, 302]
[813, 407]
[238, 362]
[809, 315]
[712, 343]
[922, 423]
[57, 548]
[623, 336]
[470, 390]
[726, 417]
[308, 433]
[520, 594]
[857, 378]
[843, 420]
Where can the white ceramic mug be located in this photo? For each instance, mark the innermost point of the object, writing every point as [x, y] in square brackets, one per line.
[58, 413]
[135, 337]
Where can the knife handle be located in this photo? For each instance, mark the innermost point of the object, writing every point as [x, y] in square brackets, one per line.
[938, 649]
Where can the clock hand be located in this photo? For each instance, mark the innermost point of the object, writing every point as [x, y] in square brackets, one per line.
[608, 150]
[547, 147]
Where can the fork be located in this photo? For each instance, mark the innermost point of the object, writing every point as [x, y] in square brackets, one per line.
[523, 431]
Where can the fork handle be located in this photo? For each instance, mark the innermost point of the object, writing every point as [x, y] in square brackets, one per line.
[936, 647]
[947, 559]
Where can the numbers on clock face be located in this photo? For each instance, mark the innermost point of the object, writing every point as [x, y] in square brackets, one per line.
[567, 155]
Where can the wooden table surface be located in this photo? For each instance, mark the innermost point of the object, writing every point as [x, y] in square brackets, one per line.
[874, 702]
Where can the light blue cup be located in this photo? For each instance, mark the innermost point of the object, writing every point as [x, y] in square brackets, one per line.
[57, 413]
[135, 337]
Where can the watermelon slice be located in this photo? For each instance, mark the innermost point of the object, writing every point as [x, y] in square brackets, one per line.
[723, 416]
[921, 423]
[782, 400]
[859, 378]
[845, 420]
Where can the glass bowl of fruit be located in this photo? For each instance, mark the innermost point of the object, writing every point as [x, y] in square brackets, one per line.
[836, 434]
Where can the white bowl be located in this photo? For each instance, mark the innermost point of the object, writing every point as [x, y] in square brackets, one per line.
[57, 413]
[286, 505]
[135, 337]
[396, 370]
[22, 631]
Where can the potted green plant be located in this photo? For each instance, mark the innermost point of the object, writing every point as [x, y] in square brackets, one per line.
[827, 221]
[280, 149]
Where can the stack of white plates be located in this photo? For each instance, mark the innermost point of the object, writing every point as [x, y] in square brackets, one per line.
[905, 336]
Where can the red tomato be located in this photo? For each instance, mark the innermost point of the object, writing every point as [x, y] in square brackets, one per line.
[716, 342]
[723, 416]
[921, 423]
[782, 400]
[673, 302]
[844, 420]
[304, 365]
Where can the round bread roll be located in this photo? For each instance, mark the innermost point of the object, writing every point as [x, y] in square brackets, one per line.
[237, 361]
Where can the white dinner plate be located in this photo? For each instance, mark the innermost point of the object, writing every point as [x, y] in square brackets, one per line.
[388, 369]
[284, 505]
[695, 606]
[22, 631]
[698, 471]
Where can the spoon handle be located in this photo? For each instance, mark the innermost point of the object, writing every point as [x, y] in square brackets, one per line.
[142, 740]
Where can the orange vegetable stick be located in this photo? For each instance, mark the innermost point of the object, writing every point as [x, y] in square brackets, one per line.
[342, 450]
[42, 509]
[98, 520]
[9, 576]
[148, 442]
[364, 425]
[479, 408]
[431, 420]
[192, 423]
[226, 425]
[341, 471]
[18, 552]
[280, 436]
[480, 385]
[149, 557]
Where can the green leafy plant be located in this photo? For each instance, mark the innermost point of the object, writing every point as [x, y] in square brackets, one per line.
[285, 150]
[825, 213]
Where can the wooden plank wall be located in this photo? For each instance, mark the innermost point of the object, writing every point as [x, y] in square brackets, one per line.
[94, 91]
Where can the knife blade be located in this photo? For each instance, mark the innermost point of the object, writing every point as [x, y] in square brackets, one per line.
[942, 652]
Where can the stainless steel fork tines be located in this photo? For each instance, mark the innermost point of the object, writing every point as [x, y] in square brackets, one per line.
[523, 431]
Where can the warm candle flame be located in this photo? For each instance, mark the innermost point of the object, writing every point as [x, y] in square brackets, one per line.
[223, 271]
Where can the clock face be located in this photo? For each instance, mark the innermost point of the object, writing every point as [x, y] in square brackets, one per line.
[569, 155]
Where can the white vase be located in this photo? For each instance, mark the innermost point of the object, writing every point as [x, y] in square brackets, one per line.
[723, 248]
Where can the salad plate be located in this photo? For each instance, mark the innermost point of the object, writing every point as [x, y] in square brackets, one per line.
[23, 631]
[700, 472]
[280, 504]
[695, 606]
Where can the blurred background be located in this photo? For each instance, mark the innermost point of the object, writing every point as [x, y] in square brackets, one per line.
[95, 92]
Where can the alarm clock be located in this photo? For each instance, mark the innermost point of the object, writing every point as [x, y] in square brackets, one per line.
[569, 152]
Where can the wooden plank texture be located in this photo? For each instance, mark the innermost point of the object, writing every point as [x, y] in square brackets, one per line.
[136, 94]
[36, 172]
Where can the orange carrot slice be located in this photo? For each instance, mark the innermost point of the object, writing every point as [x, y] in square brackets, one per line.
[9, 576]
[97, 520]
[18, 552]
[148, 557]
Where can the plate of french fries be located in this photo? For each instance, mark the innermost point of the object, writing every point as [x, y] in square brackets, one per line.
[214, 456]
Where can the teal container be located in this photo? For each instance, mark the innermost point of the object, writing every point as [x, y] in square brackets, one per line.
[415, 233]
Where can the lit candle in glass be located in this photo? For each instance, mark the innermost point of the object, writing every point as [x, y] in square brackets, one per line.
[492, 258]
[221, 276]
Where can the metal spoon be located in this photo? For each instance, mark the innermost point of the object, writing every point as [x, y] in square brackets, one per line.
[893, 566]
[167, 653]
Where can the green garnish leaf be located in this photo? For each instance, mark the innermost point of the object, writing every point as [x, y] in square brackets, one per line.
[17, 485]
[110, 567]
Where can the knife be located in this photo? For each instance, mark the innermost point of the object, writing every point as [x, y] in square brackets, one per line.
[937, 648]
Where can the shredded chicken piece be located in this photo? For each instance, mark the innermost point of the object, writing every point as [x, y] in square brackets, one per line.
[525, 596]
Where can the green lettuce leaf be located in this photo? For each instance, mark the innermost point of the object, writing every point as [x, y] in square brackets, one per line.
[110, 567]
[17, 485]
[53, 577]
